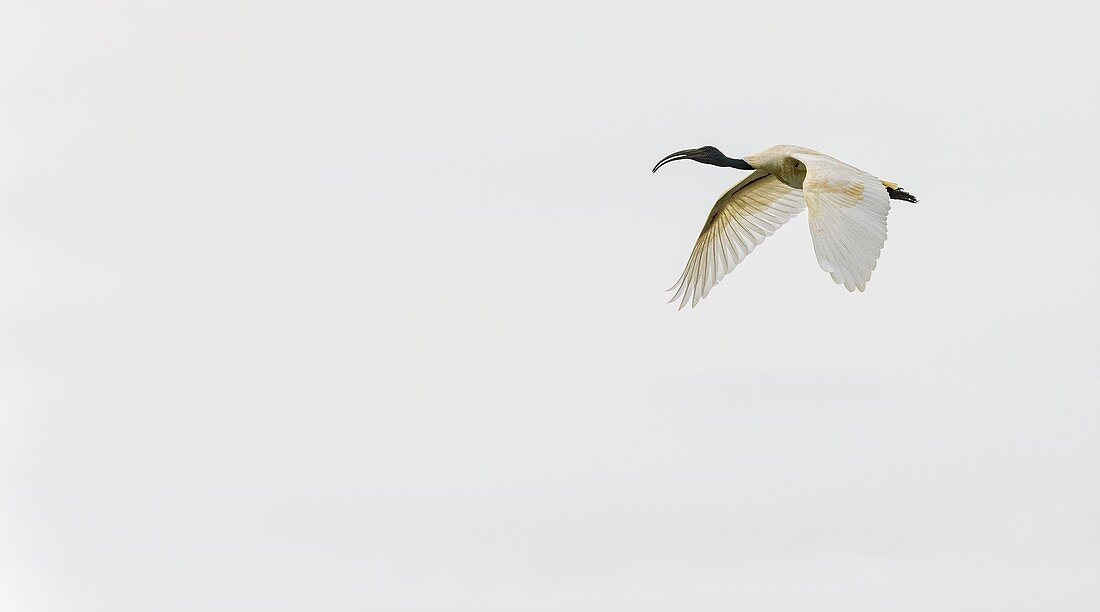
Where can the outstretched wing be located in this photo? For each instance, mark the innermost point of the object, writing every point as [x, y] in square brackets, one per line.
[848, 209]
[746, 214]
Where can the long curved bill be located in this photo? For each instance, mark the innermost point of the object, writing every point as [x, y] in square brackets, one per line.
[685, 154]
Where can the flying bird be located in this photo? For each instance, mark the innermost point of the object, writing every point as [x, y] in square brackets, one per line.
[848, 209]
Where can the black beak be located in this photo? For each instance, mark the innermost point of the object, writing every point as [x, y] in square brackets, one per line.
[706, 155]
[685, 154]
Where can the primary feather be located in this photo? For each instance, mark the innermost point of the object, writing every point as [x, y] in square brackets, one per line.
[746, 214]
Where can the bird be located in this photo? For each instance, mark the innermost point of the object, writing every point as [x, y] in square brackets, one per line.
[847, 211]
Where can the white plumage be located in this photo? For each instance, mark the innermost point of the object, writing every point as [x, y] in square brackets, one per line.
[847, 210]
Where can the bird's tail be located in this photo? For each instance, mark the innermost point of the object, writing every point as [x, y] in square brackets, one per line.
[897, 193]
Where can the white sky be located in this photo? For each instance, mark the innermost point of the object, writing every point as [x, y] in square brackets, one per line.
[333, 307]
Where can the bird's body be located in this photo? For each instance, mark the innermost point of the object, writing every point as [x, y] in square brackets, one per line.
[847, 210]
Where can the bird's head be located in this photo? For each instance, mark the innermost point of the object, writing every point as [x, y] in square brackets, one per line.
[706, 155]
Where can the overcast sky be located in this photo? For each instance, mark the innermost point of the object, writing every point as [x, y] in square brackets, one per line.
[318, 306]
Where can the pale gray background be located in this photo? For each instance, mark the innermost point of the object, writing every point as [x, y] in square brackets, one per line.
[323, 307]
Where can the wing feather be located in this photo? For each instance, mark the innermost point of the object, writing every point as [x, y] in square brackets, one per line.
[741, 219]
[848, 209]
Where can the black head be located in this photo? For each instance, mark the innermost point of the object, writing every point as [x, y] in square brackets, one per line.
[706, 155]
